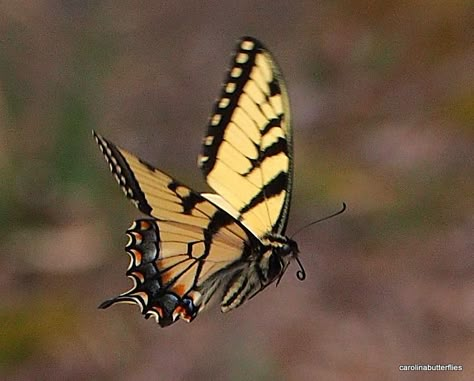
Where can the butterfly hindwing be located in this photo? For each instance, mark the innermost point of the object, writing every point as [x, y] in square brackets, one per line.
[247, 153]
[172, 275]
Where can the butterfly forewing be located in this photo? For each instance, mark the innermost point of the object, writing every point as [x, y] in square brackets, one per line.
[247, 153]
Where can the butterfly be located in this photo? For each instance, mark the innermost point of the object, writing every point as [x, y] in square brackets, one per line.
[230, 243]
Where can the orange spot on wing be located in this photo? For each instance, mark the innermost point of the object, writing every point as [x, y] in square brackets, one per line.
[181, 311]
[139, 276]
[158, 310]
[166, 276]
[179, 289]
[138, 237]
[145, 225]
[137, 255]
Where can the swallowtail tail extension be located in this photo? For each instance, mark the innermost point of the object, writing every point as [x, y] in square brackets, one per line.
[230, 244]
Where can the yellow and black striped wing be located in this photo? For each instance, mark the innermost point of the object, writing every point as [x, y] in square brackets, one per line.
[247, 153]
[182, 256]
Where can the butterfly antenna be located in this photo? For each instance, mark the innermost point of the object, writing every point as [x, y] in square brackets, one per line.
[301, 273]
[344, 207]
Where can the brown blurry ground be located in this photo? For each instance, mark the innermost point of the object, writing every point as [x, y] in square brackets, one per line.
[383, 109]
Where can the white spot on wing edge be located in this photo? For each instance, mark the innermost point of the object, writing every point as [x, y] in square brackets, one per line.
[247, 45]
[230, 88]
[236, 72]
[208, 140]
[241, 58]
[215, 120]
[224, 102]
[202, 159]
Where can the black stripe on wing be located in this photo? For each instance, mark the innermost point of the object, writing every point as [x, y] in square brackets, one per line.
[123, 173]
[274, 187]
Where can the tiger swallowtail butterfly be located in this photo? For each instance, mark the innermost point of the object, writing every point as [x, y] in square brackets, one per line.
[232, 242]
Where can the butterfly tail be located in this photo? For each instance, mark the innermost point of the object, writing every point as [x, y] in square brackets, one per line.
[148, 293]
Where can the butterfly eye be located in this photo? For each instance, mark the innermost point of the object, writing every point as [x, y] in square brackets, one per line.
[287, 249]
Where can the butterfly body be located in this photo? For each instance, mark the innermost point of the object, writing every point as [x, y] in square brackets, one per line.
[232, 242]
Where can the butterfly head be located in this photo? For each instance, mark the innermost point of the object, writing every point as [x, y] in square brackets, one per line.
[283, 250]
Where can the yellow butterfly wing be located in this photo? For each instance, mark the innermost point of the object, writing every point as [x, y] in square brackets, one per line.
[247, 153]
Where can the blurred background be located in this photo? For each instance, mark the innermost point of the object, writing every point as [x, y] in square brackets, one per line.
[383, 109]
